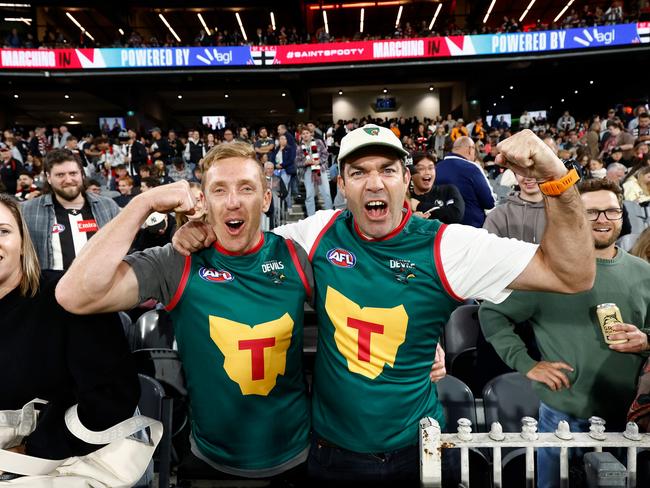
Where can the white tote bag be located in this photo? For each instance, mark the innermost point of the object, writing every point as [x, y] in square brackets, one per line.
[119, 464]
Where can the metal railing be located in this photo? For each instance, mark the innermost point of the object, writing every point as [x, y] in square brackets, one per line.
[432, 441]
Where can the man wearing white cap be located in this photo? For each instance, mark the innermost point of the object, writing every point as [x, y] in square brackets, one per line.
[386, 284]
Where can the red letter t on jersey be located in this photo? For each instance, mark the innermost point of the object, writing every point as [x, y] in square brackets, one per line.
[365, 329]
[257, 347]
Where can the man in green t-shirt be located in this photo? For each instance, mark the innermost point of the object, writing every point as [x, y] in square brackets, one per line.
[580, 374]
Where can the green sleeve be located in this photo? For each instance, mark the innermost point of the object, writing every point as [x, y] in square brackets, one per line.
[497, 322]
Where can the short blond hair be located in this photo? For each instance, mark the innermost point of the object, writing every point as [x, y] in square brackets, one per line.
[30, 269]
[235, 149]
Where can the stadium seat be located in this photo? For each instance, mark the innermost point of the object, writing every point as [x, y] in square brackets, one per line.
[153, 330]
[156, 404]
[126, 323]
[506, 399]
[458, 402]
[460, 340]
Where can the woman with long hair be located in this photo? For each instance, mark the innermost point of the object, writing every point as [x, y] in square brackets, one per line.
[637, 187]
[48, 353]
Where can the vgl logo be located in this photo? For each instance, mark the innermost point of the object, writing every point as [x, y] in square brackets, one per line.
[590, 37]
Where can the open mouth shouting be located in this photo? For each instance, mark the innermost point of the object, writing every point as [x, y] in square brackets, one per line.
[376, 209]
[234, 226]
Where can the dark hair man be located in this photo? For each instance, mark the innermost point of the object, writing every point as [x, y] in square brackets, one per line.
[61, 222]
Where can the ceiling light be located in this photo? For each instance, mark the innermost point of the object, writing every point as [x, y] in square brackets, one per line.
[591, 82]
[15, 5]
[532, 2]
[327, 27]
[66, 96]
[435, 16]
[72, 116]
[162, 17]
[241, 26]
[562, 11]
[512, 87]
[431, 88]
[575, 91]
[502, 97]
[15, 95]
[120, 31]
[340, 92]
[363, 16]
[205, 26]
[26, 20]
[399, 15]
[273, 20]
[562, 100]
[225, 95]
[284, 94]
[489, 11]
[83, 29]
[180, 97]
[494, 104]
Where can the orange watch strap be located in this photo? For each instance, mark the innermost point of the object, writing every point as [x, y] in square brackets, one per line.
[554, 188]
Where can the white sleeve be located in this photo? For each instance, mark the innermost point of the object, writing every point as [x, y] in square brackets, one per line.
[481, 265]
[307, 231]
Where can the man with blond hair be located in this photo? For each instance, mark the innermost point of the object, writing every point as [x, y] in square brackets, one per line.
[240, 345]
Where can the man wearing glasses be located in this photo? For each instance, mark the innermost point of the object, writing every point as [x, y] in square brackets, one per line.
[458, 169]
[581, 375]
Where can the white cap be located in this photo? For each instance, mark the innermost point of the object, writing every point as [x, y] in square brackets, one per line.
[154, 218]
[367, 136]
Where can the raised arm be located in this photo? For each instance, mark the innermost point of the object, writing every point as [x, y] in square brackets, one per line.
[99, 280]
[565, 260]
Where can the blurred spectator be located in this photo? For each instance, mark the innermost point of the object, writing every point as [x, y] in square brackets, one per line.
[615, 172]
[459, 130]
[125, 187]
[430, 201]
[159, 149]
[178, 170]
[312, 156]
[637, 186]
[9, 170]
[194, 149]
[566, 122]
[618, 139]
[458, 169]
[25, 187]
[522, 216]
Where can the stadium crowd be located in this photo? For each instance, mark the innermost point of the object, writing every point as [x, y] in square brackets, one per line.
[590, 15]
[71, 188]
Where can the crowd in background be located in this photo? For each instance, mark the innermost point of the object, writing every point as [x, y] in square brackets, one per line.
[300, 159]
[590, 15]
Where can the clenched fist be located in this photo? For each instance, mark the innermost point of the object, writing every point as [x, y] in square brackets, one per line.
[527, 155]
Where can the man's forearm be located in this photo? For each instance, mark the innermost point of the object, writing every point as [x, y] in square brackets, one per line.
[567, 245]
[94, 270]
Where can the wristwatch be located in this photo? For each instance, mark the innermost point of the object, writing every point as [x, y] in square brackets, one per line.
[554, 188]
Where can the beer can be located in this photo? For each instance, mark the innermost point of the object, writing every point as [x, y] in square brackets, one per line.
[608, 315]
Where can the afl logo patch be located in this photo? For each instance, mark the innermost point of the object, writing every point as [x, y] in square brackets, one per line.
[58, 228]
[341, 257]
[215, 275]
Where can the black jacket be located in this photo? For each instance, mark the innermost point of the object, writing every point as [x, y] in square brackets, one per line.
[48, 353]
[446, 200]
